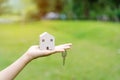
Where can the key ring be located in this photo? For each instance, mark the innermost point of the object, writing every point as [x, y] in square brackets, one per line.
[64, 54]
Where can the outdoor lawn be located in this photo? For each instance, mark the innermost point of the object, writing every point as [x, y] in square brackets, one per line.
[95, 54]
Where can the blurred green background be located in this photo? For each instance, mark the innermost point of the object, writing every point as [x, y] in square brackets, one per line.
[92, 26]
[32, 10]
[95, 53]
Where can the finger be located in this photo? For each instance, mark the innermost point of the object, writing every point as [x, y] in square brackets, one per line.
[62, 50]
[67, 47]
[68, 44]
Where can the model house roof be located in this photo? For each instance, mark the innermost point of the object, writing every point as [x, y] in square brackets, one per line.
[45, 34]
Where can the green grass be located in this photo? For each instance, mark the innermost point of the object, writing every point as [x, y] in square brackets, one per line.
[94, 55]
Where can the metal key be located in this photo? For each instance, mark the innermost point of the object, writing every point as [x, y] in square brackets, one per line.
[64, 54]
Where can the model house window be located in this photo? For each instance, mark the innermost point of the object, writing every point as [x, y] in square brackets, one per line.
[43, 40]
[51, 40]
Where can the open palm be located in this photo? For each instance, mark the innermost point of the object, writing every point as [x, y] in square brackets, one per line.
[35, 52]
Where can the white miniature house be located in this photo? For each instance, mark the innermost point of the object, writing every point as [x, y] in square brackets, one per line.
[47, 41]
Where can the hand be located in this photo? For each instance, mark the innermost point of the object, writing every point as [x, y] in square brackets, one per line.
[35, 52]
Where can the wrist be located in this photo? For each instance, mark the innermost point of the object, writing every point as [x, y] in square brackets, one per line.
[27, 57]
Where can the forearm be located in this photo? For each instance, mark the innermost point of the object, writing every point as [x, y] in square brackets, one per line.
[14, 69]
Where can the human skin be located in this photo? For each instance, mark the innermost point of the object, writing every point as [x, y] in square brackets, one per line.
[32, 53]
